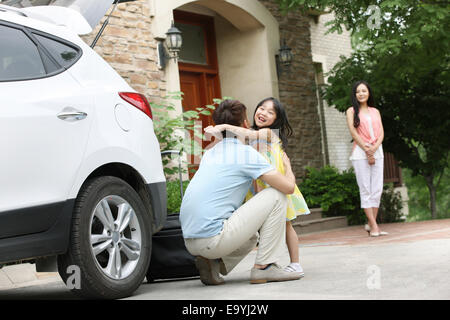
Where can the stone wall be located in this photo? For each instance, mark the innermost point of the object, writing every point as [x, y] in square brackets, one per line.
[297, 91]
[129, 47]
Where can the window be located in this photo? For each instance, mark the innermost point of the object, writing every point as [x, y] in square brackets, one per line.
[193, 49]
[64, 54]
[19, 56]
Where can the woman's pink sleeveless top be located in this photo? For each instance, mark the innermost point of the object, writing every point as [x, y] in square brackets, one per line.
[364, 126]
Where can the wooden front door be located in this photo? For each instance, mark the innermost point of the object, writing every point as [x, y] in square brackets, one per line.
[198, 67]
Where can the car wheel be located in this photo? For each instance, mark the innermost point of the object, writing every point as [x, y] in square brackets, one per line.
[110, 243]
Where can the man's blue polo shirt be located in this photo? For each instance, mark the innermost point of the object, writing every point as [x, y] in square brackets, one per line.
[219, 187]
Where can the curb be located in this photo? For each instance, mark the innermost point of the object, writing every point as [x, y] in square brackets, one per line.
[24, 275]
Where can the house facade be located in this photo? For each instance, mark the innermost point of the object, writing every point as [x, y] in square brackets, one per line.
[229, 49]
[326, 52]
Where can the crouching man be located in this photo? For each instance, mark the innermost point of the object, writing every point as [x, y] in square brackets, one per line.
[217, 227]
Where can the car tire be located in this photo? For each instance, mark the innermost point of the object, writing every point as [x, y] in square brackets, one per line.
[110, 242]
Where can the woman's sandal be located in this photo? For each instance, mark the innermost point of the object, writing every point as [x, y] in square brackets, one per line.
[374, 234]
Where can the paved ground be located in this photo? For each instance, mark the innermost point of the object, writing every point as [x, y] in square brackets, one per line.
[412, 262]
[398, 233]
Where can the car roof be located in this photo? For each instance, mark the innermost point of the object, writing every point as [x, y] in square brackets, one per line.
[92, 10]
[52, 16]
[58, 31]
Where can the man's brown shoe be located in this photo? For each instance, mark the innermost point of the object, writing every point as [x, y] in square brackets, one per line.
[209, 271]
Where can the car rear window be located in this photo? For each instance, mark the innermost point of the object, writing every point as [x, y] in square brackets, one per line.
[19, 56]
[64, 54]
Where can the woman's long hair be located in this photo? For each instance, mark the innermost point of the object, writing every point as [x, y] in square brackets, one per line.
[281, 123]
[355, 102]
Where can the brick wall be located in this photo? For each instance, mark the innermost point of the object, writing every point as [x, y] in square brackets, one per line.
[327, 49]
[296, 86]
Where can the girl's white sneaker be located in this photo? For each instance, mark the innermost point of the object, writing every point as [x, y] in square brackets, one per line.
[295, 267]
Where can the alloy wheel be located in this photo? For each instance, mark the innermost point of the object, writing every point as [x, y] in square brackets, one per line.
[115, 237]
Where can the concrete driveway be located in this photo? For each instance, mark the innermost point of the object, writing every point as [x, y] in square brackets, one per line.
[412, 262]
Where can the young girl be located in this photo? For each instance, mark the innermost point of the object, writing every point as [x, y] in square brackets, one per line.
[271, 130]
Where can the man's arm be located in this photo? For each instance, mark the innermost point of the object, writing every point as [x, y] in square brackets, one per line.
[279, 181]
[284, 183]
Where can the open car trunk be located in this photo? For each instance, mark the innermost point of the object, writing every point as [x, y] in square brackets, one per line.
[92, 10]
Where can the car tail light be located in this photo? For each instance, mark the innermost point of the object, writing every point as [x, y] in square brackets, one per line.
[138, 100]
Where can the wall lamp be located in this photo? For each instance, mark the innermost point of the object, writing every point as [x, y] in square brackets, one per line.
[169, 48]
[283, 58]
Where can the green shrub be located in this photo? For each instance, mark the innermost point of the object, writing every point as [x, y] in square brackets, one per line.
[335, 192]
[174, 196]
[390, 206]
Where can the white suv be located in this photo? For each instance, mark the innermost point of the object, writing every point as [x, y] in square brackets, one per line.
[81, 176]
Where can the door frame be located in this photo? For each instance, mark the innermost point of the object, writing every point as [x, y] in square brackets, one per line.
[207, 24]
[212, 66]
[210, 70]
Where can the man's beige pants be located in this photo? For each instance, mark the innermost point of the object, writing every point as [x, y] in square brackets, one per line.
[266, 213]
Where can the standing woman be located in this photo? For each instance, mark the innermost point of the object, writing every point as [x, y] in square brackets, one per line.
[366, 128]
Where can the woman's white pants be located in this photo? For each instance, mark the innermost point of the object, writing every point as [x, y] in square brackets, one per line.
[370, 181]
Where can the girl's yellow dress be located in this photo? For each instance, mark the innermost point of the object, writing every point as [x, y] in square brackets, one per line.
[273, 152]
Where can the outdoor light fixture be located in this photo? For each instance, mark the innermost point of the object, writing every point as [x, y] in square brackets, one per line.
[169, 48]
[284, 57]
[285, 54]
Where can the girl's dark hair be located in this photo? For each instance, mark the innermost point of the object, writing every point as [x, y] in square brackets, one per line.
[355, 102]
[281, 122]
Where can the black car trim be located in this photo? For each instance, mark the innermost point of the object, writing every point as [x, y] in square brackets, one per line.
[57, 39]
[53, 241]
[42, 50]
[30, 220]
[158, 197]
